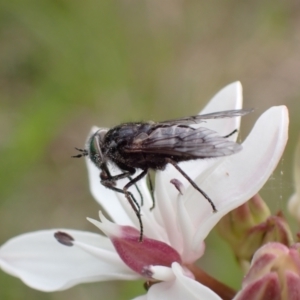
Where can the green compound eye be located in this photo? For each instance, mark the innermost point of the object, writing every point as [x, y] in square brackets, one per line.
[94, 150]
[94, 146]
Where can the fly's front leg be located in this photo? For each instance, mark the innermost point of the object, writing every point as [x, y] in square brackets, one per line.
[106, 177]
[133, 203]
[110, 182]
[138, 190]
[127, 193]
[130, 198]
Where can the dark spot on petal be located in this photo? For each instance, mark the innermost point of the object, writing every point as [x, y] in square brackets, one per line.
[147, 272]
[178, 184]
[64, 238]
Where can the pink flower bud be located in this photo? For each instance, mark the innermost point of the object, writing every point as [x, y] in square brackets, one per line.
[274, 229]
[236, 224]
[274, 274]
[250, 226]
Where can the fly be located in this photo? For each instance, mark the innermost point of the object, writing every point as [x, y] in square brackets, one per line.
[150, 145]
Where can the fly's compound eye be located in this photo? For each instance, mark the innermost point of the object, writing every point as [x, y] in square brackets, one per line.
[94, 147]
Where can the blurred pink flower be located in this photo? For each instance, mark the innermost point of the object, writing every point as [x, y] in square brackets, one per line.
[274, 274]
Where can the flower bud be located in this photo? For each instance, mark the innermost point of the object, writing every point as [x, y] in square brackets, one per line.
[236, 223]
[235, 226]
[274, 229]
[274, 274]
[250, 226]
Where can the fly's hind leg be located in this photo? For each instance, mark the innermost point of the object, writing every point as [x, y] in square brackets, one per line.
[132, 201]
[195, 186]
[127, 193]
[230, 134]
[138, 190]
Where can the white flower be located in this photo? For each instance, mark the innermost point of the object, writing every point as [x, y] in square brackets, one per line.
[180, 223]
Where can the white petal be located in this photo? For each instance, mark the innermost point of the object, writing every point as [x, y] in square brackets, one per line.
[107, 227]
[44, 264]
[230, 97]
[182, 287]
[242, 175]
[162, 273]
[166, 206]
[187, 230]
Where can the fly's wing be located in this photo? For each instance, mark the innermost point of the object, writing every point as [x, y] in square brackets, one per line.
[216, 115]
[183, 141]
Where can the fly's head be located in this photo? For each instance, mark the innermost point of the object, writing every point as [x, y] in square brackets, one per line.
[94, 148]
[97, 151]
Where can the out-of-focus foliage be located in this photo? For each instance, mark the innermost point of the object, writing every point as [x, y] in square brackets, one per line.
[67, 65]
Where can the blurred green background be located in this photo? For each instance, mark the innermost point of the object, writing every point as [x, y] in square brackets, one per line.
[67, 65]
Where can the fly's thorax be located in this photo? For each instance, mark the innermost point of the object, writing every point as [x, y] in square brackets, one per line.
[95, 145]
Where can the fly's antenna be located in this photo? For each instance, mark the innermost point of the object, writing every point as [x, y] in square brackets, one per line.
[83, 152]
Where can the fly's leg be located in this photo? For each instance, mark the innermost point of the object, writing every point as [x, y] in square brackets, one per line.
[133, 203]
[139, 191]
[125, 190]
[230, 134]
[151, 192]
[195, 186]
[110, 181]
